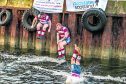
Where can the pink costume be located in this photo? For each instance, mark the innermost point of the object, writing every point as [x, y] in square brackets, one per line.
[43, 18]
[62, 32]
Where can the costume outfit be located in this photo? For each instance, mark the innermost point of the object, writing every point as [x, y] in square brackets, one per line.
[61, 34]
[75, 68]
[43, 19]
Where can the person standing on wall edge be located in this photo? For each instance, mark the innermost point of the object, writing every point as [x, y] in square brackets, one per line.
[63, 38]
[43, 24]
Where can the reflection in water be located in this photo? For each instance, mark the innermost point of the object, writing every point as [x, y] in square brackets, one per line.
[44, 70]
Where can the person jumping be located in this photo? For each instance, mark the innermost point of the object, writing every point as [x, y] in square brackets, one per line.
[74, 78]
[43, 24]
[63, 38]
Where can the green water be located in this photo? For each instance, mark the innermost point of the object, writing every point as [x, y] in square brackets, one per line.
[113, 66]
[31, 69]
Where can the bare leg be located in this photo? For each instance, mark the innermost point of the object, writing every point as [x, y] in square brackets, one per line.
[59, 51]
[39, 25]
[44, 29]
[62, 44]
[61, 48]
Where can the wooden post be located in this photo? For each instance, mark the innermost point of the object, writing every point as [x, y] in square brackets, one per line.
[13, 27]
[47, 46]
[64, 10]
[30, 42]
[87, 40]
[18, 32]
[106, 39]
[53, 44]
[24, 39]
[24, 42]
[38, 46]
[123, 39]
[7, 38]
[2, 40]
[96, 45]
[117, 37]
[124, 29]
[72, 26]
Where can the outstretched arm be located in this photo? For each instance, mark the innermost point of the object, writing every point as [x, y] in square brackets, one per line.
[34, 21]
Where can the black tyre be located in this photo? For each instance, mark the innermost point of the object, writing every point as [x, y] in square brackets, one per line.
[5, 17]
[98, 22]
[27, 19]
[35, 11]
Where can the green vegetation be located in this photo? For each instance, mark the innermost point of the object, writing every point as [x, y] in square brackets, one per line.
[116, 7]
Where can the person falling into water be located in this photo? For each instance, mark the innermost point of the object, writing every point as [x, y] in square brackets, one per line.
[43, 24]
[63, 38]
[75, 66]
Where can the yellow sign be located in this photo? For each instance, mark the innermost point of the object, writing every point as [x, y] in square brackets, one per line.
[3, 2]
[16, 3]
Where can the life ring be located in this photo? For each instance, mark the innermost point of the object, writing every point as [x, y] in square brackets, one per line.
[100, 18]
[5, 17]
[28, 17]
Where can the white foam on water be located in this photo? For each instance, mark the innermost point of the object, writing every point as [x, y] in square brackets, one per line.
[8, 56]
[33, 58]
[1, 65]
[64, 74]
[37, 59]
[56, 72]
[30, 59]
[108, 77]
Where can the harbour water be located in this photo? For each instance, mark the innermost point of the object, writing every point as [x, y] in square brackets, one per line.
[32, 69]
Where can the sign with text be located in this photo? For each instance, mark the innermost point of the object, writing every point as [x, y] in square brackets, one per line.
[82, 5]
[49, 6]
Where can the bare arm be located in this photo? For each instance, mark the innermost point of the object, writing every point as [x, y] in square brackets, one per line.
[34, 21]
[65, 36]
[57, 38]
[49, 25]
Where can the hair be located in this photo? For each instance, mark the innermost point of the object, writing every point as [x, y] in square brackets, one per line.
[77, 42]
[58, 24]
[41, 13]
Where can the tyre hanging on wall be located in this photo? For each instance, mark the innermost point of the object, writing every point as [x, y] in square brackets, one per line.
[5, 17]
[28, 17]
[97, 23]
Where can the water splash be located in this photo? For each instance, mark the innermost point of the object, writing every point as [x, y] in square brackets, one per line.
[105, 78]
[44, 69]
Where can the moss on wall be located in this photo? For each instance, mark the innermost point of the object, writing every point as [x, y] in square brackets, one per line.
[116, 7]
